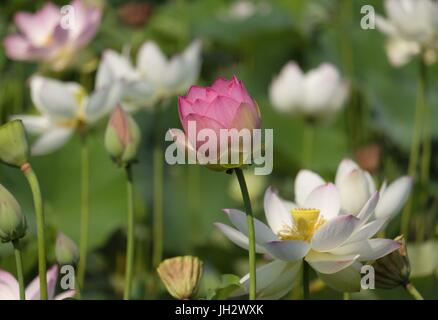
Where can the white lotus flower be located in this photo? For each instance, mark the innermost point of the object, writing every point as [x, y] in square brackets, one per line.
[65, 107]
[315, 230]
[319, 94]
[153, 77]
[412, 28]
[355, 187]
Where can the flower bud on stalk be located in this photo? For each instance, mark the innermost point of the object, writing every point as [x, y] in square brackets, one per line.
[14, 149]
[393, 269]
[12, 221]
[66, 250]
[181, 276]
[122, 137]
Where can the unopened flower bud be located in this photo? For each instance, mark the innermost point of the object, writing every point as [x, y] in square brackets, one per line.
[181, 276]
[393, 269]
[14, 149]
[122, 137]
[66, 250]
[12, 220]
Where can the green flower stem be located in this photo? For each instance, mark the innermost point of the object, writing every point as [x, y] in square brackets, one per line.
[85, 209]
[131, 238]
[157, 232]
[306, 282]
[308, 140]
[346, 296]
[78, 289]
[19, 263]
[193, 198]
[251, 233]
[41, 239]
[413, 291]
[420, 110]
[427, 139]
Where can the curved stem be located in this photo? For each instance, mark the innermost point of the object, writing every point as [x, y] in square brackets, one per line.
[306, 291]
[19, 264]
[85, 209]
[251, 233]
[420, 110]
[413, 291]
[38, 203]
[131, 239]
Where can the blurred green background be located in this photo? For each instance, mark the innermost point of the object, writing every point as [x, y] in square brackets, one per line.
[254, 47]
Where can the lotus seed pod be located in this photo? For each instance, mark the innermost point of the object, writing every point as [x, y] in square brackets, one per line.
[181, 276]
[393, 269]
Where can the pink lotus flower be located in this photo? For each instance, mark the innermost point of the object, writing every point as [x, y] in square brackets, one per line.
[225, 105]
[51, 35]
[9, 287]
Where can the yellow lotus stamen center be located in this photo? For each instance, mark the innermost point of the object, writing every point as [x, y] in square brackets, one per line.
[306, 222]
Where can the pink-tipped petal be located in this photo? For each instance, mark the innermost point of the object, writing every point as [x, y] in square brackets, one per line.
[8, 286]
[326, 199]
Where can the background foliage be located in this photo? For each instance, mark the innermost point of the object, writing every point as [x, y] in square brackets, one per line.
[255, 49]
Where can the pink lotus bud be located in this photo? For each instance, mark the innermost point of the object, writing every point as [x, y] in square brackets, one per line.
[224, 105]
[122, 137]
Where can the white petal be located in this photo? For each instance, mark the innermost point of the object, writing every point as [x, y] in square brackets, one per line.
[371, 185]
[192, 65]
[305, 182]
[34, 124]
[51, 140]
[367, 231]
[102, 101]
[276, 213]
[346, 280]
[344, 168]
[287, 89]
[113, 67]
[237, 237]
[138, 95]
[369, 249]
[8, 286]
[394, 197]
[274, 280]
[152, 62]
[326, 199]
[321, 85]
[57, 99]
[329, 263]
[385, 26]
[354, 191]
[262, 232]
[65, 295]
[33, 289]
[400, 51]
[288, 250]
[368, 209]
[334, 232]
